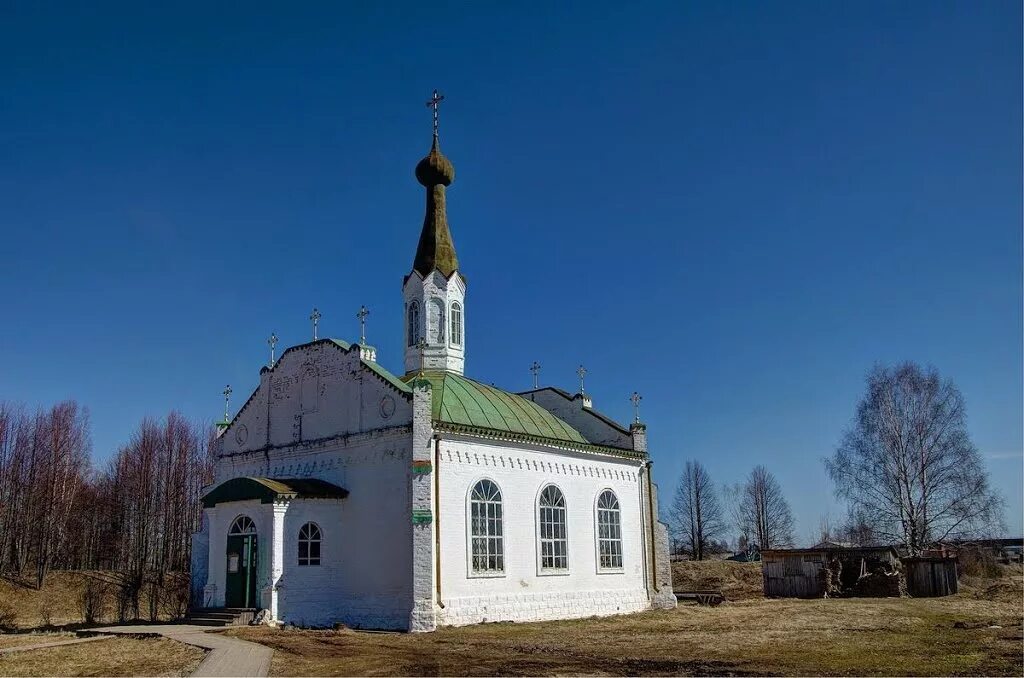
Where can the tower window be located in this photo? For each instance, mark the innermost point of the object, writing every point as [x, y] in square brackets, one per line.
[414, 324]
[456, 332]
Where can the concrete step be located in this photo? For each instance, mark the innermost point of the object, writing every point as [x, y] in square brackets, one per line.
[209, 621]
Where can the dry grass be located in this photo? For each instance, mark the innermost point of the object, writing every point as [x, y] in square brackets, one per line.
[949, 636]
[18, 639]
[114, 657]
[58, 603]
[738, 581]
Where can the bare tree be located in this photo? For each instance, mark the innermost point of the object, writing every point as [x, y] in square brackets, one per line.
[697, 512]
[763, 512]
[907, 463]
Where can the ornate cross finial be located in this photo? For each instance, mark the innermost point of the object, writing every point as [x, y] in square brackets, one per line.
[363, 312]
[315, 317]
[535, 368]
[272, 341]
[433, 103]
[422, 346]
[227, 399]
[635, 399]
[582, 372]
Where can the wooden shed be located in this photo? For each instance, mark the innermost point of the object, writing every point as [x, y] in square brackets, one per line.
[931, 576]
[823, 569]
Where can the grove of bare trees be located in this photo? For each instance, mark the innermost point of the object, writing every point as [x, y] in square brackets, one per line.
[697, 511]
[907, 466]
[134, 515]
[762, 512]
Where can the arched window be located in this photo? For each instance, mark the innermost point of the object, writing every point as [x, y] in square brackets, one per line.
[487, 544]
[414, 324]
[309, 544]
[456, 315]
[242, 525]
[554, 551]
[609, 532]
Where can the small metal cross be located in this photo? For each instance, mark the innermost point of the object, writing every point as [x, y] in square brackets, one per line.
[535, 368]
[635, 399]
[582, 372]
[273, 343]
[363, 312]
[422, 346]
[227, 399]
[433, 103]
[315, 317]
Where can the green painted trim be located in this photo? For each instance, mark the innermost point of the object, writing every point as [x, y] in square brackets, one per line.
[422, 467]
[422, 517]
[484, 432]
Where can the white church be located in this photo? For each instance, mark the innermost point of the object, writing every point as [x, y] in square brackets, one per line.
[346, 493]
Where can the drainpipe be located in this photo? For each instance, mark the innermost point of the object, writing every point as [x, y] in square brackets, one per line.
[643, 526]
[437, 518]
[650, 512]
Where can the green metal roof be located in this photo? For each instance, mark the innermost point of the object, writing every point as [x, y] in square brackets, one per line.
[461, 401]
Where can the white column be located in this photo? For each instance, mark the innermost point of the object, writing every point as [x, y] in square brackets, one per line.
[276, 570]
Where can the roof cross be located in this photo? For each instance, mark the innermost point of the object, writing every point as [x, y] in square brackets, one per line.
[315, 317]
[227, 398]
[363, 312]
[434, 102]
[582, 372]
[535, 368]
[635, 399]
[272, 341]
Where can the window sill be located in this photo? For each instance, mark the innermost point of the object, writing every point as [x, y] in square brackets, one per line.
[553, 573]
[611, 570]
[486, 575]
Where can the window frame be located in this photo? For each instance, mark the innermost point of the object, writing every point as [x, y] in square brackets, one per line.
[412, 321]
[542, 570]
[249, 529]
[309, 541]
[614, 569]
[471, 571]
[455, 330]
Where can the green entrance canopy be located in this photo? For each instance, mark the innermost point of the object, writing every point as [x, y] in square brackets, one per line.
[268, 490]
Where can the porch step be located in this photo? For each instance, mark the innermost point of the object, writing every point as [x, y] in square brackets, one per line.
[221, 616]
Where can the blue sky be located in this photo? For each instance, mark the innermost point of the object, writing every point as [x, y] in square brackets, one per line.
[734, 208]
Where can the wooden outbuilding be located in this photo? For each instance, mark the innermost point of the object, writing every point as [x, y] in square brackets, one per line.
[829, 569]
[931, 576]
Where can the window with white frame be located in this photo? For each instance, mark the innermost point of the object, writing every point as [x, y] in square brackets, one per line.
[487, 543]
[309, 544]
[554, 546]
[609, 532]
[414, 324]
[242, 525]
[456, 316]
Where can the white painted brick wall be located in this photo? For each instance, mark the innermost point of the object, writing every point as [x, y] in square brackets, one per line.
[523, 592]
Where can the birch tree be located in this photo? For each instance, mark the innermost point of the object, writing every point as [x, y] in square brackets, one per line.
[697, 511]
[763, 512]
[907, 465]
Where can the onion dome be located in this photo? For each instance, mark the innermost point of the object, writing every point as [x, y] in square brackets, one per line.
[435, 169]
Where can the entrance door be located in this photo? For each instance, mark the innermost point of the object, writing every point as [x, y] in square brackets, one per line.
[242, 562]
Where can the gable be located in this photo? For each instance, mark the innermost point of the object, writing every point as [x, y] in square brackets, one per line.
[596, 427]
[315, 391]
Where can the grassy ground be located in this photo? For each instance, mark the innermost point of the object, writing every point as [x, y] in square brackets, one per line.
[59, 603]
[114, 657]
[948, 636]
[15, 639]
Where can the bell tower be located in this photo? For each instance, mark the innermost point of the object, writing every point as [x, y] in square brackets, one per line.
[435, 291]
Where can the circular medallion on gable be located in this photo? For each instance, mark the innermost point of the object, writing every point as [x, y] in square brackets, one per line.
[241, 434]
[387, 406]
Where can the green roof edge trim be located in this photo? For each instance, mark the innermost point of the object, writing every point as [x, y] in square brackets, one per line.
[485, 432]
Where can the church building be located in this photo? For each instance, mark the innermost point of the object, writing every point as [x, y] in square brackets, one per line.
[348, 493]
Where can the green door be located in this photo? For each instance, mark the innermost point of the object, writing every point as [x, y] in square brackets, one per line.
[240, 588]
